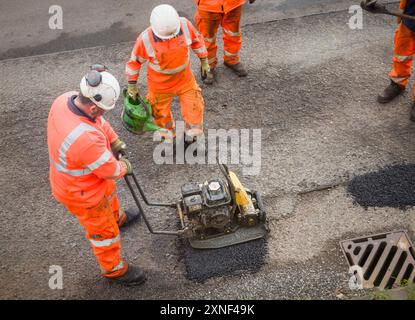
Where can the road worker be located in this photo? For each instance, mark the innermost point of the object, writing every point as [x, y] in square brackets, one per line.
[165, 47]
[85, 161]
[404, 51]
[209, 16]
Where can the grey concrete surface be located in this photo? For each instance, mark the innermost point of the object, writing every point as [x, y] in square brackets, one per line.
[24, 24]
[311, 88]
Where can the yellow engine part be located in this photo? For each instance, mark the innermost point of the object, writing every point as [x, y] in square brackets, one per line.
[242, 199]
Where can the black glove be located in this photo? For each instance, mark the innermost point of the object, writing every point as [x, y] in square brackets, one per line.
[251, 1]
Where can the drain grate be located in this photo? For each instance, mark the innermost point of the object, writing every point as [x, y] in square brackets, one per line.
[383, 260]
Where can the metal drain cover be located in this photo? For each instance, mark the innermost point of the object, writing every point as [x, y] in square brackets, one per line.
[381, 260]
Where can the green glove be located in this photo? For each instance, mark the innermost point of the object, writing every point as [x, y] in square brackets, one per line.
[128, 165]
[205, 68]
[118, 147]
[133, 91]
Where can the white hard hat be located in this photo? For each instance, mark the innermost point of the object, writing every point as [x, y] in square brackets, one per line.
[165, 21]
[102, 88]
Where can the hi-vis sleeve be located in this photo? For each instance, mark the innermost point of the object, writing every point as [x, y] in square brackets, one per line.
[99, 160]
[138, 57]
[198, 44]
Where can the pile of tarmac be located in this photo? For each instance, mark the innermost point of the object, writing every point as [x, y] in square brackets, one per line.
[233, 260]
[393, 186]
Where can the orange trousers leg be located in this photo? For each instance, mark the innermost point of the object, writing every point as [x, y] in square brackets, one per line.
[101, 226]
[404, 50]
[232, 37]
[161, 103]
[192, 108]
[208, 24]
[191, 104]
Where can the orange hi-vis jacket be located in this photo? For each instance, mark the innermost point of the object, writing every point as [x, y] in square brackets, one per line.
[168, 60]
[219, 6]
[82, 166]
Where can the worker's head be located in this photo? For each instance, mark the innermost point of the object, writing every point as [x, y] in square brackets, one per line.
[165, 21]
[101, 89]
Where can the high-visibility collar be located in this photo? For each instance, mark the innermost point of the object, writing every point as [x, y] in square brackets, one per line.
[157, 39]
[72, 106]
[151, 51]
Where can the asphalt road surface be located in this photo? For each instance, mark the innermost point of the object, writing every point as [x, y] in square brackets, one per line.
[311, 89]
[25, 31]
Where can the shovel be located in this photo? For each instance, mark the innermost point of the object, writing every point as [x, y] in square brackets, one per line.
[373, 7]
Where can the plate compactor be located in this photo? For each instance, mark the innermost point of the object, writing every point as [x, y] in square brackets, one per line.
[217, 213]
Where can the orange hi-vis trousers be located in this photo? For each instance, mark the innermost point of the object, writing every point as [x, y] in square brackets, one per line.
[404, 50]
[208, 24]
[192, 108]
[101, 224]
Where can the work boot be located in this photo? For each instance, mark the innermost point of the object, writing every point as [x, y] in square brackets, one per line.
[391, 92]
[210, 77]
[134, 276]
[412, 114]
[238, 69]
[131, 216]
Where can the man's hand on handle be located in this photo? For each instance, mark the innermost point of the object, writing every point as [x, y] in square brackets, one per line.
[119, 148]
[133, 91]
[128, 165]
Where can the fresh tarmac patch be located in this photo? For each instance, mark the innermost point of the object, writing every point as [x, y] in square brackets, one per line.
[393, 186]
[204, 264]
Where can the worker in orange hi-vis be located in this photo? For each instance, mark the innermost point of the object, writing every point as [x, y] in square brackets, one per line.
[209, 16]
[165, 47]
[404, 51]
[85, 161]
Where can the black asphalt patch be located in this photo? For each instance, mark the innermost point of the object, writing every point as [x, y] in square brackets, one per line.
[204, 264]
[393, 186]
[65, 42]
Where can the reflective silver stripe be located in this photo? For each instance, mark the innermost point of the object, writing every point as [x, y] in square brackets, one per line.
[157, 68]
[105, 243]
[186, 31]
[137, 58]
[397, 80]
[111, 195]
[118, 267]
[212, 60]
[403, 58]
[73, 172]
[70, 139]
[231, 33]
[100, 161]
[148, 45]
[200, 50]
[117, 171]
[230, 54]
[130, 71]
[209, 39]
